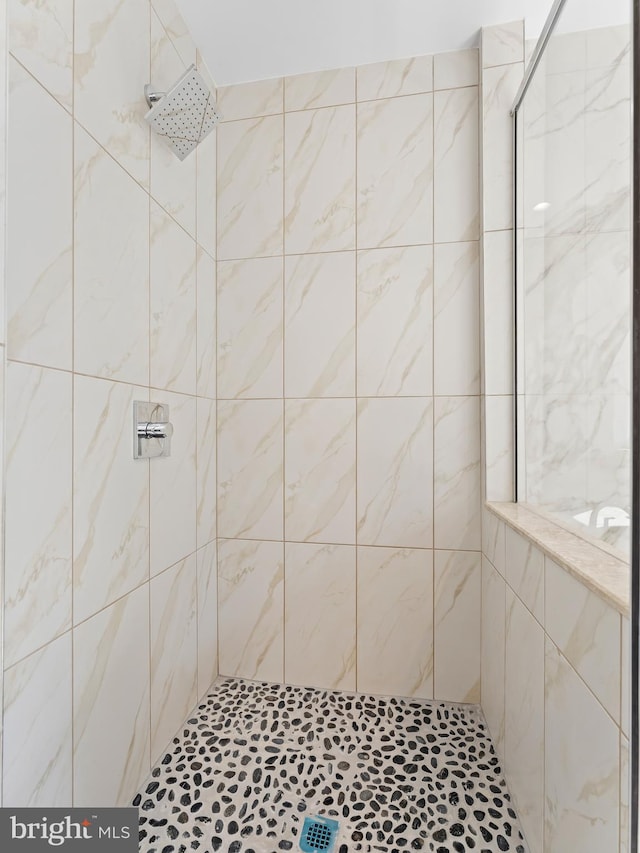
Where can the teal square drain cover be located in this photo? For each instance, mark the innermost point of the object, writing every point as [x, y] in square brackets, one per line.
[318, 833]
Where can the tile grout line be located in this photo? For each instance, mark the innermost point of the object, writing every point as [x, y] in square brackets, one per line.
[344, 102]
[198, 153]
[4, 150]
[433, 387]
[544, 684]
[284, 406]
[148, 462]
[73, 400]
[215, 367]
[355, 389]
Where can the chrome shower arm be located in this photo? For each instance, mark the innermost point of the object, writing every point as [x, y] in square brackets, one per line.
[151, 96]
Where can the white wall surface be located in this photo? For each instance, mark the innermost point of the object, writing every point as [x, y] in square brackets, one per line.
[244, 40]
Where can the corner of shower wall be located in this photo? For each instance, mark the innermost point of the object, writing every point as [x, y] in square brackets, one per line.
[3, 187]
[502, 68]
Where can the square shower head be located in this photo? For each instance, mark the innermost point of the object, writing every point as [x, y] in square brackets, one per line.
[185, 115]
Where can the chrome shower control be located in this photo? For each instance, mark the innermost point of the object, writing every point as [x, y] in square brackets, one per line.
[151, 430]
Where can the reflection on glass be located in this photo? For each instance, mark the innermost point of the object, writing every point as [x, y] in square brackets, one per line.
[574, 283]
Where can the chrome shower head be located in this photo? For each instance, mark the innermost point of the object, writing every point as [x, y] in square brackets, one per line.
[185, 115]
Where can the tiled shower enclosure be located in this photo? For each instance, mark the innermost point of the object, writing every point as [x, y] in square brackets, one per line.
[306, 294]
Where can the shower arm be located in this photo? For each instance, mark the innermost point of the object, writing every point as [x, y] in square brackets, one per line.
[151, 96]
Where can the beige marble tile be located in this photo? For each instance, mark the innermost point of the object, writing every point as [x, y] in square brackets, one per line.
[521, 458]
[395, 172]
[395, 322]
[249, 188]
[608, 147]
[525, 573]
[625, 676]
[492, 649]
[499, 448]
[173, 487]
[172, 305]
[174, 652]
[206, 471]
[455, 69]
[524, 742]
[3, 169]
[178, 32]
[173, 181]
[556, 471]
[251, 100]
[206, 325]
[111, 272]
[565, 52]
[606, 46]
[457, 614]
[111, 497]
[565, 162]
[111, 69]
[456, 319]
[502, 44]
[320, 642]
[395, 472]
[320, 89]
[498, 312]
[320, 471]
[206, 195]
[455, 172]
[251, 609]
[250, 469]
[395, 621]
[624, 795]
[320, 328]
[493, 540]
[500, 85]
[41, 39]
[456, 491]
[37, 579]
[37, 734]
[598, 570]
[319, 187]
[397, 77]
[207, 579]
[39, 224]
[608, 371]
[250, 334]
[204, 70]
[587, 632]
[582, 764]
[111, 702]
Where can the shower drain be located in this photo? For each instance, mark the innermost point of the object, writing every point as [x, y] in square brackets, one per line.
[318, 833]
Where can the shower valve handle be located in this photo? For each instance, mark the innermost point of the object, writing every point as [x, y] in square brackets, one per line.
[151, 421]
[155, 430]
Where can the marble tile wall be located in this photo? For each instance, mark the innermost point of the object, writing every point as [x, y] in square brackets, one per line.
[348, 378]
[110, 603]
[555, 653]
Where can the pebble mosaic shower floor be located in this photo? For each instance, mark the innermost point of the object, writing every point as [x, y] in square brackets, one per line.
[255, 759]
